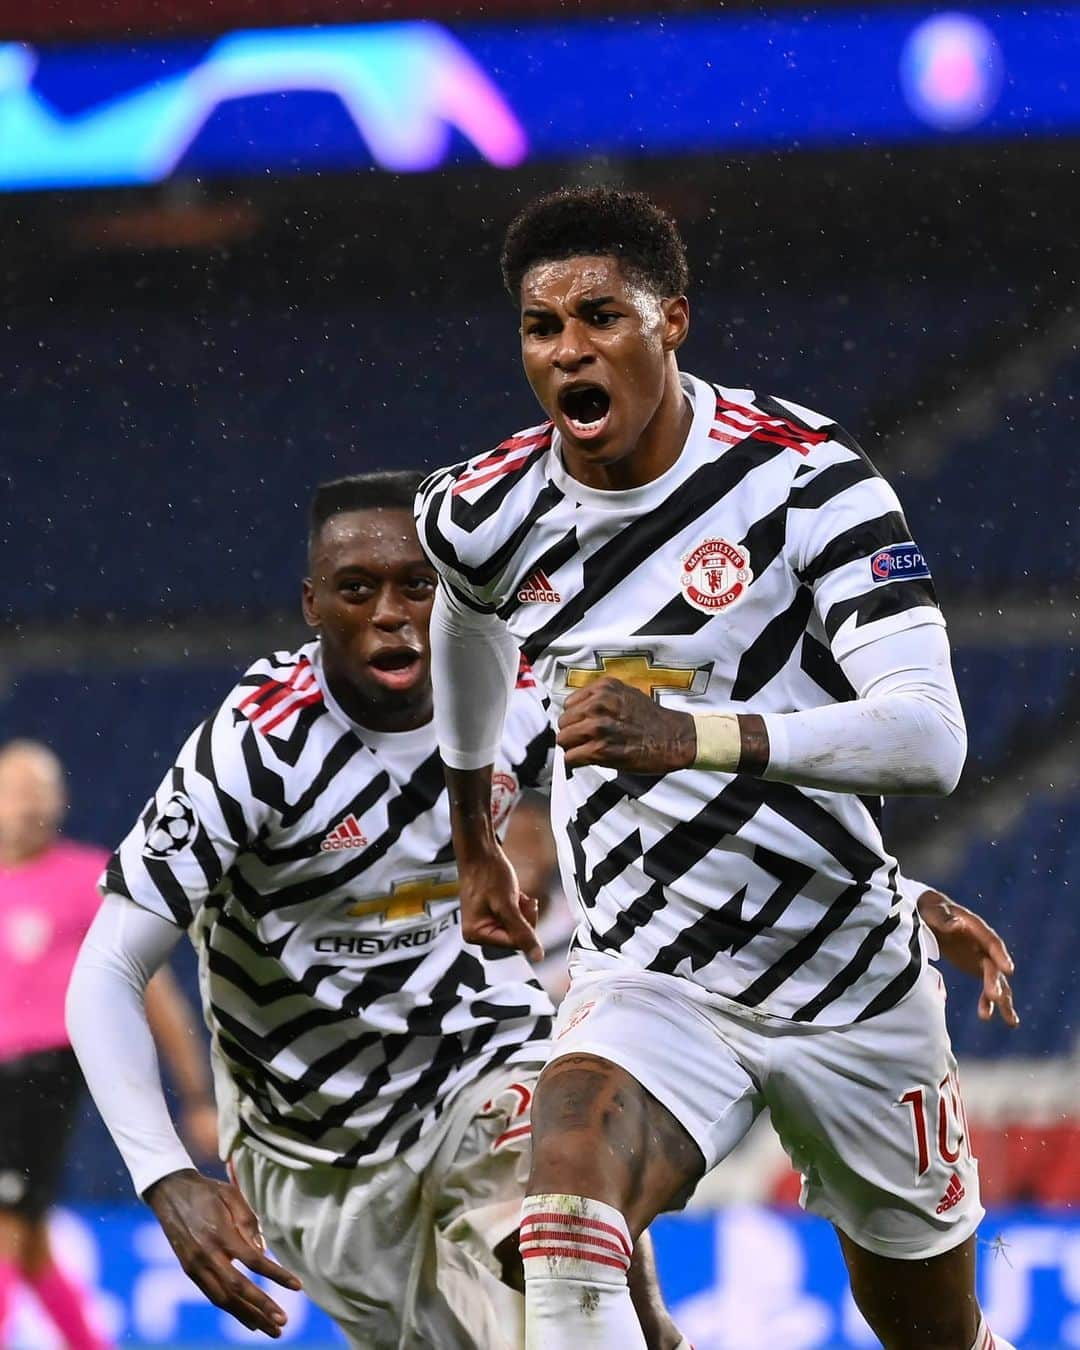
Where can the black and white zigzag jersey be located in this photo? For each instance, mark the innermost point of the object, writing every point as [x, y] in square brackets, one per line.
[734, 582]
[310, 859]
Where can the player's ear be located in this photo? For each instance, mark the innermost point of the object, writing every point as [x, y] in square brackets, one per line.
[676, 322]
[309, 604]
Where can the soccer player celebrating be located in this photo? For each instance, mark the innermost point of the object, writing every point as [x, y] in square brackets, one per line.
[374, 1074]
[724, 599]
[48, 898]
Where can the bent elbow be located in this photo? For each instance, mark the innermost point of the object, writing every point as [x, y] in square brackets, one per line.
[947, 764]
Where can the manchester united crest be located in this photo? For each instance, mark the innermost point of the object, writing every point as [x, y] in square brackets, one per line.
[715, 575]
[504, 793]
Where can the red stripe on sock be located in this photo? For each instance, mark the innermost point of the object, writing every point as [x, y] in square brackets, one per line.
[529, 1252]
[560, 1235]
[574, 1220]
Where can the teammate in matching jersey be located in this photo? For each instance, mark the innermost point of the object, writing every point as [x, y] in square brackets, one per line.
[373, 1073]
[741, 637]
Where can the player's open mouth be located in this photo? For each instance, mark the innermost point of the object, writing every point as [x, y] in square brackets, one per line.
[396, 668]
[586, 408]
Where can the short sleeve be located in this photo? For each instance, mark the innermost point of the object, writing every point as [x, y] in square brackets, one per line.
[189, 834]
[849, 542]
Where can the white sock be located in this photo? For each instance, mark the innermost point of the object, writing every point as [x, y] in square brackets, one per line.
[576, 1253]
[986, 1340]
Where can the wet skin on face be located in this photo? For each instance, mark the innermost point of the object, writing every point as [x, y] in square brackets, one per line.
[370, 594]
[598, 347]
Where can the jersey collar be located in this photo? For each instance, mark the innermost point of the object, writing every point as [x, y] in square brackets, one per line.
[703, 401]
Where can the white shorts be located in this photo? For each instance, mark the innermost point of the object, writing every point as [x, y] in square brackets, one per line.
[869, 1113]
[400, 1254]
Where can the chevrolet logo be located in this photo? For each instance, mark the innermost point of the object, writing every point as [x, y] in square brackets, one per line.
[407, 899]
[637, 670]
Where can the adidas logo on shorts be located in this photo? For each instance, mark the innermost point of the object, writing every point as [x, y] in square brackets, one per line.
[539, 591]
[346, 835]
[954, 1193]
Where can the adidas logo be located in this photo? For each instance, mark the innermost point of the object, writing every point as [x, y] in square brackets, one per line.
[954, 1193]
[539, 591]
[346, 835]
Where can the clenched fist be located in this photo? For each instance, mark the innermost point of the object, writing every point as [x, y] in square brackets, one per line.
[619, 727]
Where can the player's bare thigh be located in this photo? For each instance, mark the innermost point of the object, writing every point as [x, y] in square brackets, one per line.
[916, 1305]
[598, 1133]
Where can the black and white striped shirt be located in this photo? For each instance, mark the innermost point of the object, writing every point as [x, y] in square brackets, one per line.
[736, 581]
[310, 859]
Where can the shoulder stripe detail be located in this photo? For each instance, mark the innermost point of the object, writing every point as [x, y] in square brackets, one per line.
[469, 517]
[269, 690]
[478, 480]
[470, 513]
[511, 454]
[281, 698]
[781, 430]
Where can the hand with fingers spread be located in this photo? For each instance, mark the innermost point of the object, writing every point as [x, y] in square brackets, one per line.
[210, 1225]
[971, 945]
[617, 726]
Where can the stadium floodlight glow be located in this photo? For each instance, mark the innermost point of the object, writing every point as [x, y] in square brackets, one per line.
[951, 70]
[409, 97]
[406, 87]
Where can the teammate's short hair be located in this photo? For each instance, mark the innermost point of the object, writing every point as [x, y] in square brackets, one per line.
[391, 489]
[604, 221]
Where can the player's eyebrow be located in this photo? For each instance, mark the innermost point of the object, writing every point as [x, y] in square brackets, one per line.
[419, 563]
[588, 303]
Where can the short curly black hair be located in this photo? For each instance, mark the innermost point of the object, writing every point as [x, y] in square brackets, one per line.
[574, 222]
[390, 489]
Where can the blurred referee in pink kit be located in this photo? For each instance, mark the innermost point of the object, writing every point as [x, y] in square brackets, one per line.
[48, 897]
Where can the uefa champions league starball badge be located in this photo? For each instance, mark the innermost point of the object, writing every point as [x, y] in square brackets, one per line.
[715, 575]
[174, 829]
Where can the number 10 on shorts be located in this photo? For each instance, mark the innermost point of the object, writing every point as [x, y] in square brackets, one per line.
[949, 1123]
